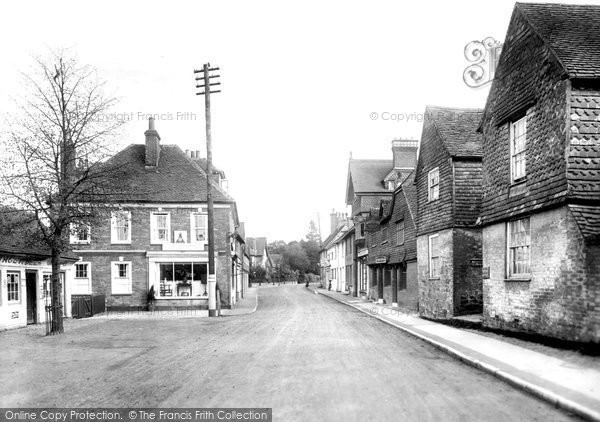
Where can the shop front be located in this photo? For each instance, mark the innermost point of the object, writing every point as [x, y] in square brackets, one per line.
[179, 280]
[25, 290]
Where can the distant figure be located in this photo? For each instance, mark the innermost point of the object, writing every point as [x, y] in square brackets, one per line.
[329, 288]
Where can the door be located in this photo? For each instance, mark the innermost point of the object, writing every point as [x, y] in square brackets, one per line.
[30, 286]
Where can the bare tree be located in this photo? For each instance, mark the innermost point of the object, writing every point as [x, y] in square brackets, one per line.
[55, 147]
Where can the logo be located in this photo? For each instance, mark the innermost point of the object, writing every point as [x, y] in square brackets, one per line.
[483, 56]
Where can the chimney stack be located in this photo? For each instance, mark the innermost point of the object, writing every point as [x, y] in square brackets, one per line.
[152, 145]
[334, 219]
[405, 153]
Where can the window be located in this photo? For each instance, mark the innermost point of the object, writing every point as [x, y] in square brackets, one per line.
[384, 235]
[518, 132]
[121, 278]
[434, 184]
[434, 256]
[82, 284]
[13, 286]
[120, 227]
[400, 233]
[80, 234]
[160, 226]
[519, 243]
[199, 224]
[182, 279]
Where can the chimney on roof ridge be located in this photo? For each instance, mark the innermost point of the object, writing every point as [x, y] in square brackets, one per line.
[152, 144]
[405, 153]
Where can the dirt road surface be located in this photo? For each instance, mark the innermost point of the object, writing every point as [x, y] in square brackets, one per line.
[302, 354]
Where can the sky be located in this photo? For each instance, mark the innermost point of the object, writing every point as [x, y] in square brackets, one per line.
[301, 82]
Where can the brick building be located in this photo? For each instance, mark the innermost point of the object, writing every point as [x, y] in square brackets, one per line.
[369, 182]
[156, 236]
[393, 248]
[541, 175]
[448, 183]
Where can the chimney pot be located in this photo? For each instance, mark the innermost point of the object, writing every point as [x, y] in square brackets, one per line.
[152, 144]
[187, 152]
[151, 123]
[197, 153]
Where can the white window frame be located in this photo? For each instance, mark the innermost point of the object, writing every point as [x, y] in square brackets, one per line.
[432, 273]
[154, 229]
[518, 149]
[77, 280]
[74, 234]
[511, 250]
[400, 230]
[193, 227]
[120, 285]
[18, 285]
[114, 238]
[433, 189]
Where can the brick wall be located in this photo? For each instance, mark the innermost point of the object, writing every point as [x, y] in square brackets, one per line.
[561, 300]
[435, 215]
[436, 295]
[468, 285]
[528, 80]
[140, 240]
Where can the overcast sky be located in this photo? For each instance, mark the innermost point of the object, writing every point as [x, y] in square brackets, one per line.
[299, 82]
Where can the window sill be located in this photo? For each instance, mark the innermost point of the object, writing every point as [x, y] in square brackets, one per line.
[434, 278]
[121, 294]
[517, 279]
[120, 243]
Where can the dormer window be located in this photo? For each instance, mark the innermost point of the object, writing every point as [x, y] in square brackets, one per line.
[518, 137]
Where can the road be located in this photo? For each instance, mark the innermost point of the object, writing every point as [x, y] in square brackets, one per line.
[302, 354]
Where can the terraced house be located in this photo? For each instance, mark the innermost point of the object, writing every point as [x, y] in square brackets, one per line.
[541, 175]
[393, 249]
[448, 183]
[156, 237]
[369, 182]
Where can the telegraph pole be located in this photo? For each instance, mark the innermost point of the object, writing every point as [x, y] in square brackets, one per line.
[212, 278]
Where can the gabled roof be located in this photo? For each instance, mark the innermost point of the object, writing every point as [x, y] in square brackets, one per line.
[256, 245]
[332, 237]
[366, 176]
[571, 31]
[176, 179]
[457, 128]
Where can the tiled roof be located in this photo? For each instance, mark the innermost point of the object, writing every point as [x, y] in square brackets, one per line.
[33, 253]
[571, 31]
[177, 178]
[331, 237]
[410, 193]
[588, 220]
[458, 129]
[367, 175]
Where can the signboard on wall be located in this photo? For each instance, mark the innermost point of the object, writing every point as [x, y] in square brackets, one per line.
[381, 260]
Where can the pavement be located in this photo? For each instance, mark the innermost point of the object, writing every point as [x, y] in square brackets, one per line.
[245, 305]
[304, 355]
[570, 385]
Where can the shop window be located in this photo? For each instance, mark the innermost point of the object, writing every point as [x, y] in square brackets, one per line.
[182, 279]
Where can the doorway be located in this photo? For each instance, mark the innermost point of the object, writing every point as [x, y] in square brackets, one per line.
[30, 286]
